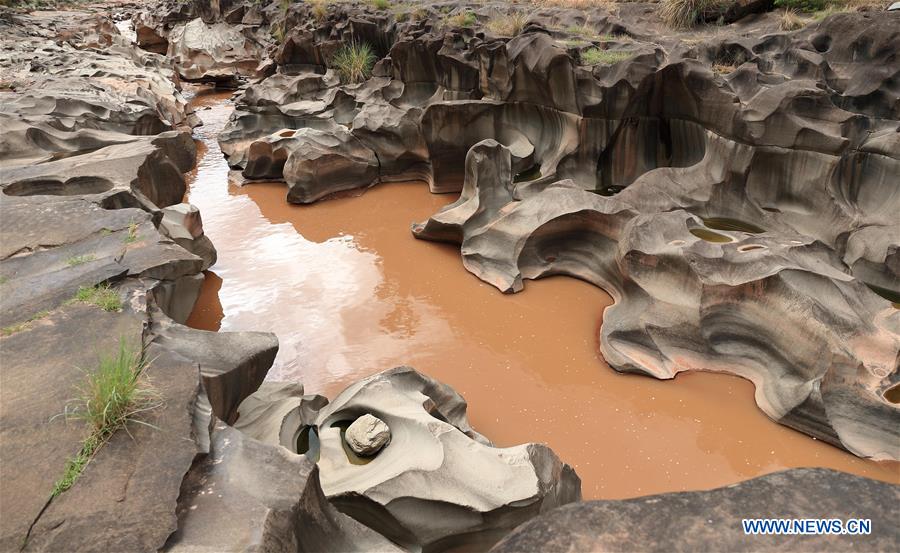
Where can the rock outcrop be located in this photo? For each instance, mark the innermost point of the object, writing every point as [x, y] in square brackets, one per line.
[690, 521]
[93, 152]
[731, 190]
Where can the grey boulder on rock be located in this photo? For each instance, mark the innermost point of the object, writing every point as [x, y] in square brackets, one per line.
[367, 435]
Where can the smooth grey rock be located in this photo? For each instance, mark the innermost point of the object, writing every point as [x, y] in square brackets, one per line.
[367, 435]
[700, 520]
[478, 492]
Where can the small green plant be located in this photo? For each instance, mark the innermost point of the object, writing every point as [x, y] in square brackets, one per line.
[509, 24]
[102, 296]
[75, 465]
[584, 30]
[4, 279]
[132, 235]
[805, 5]
[596, 56]
[381, 4]
[354, 62]
[12, 329]
[112, 396]
[463, 19]
[76, 260]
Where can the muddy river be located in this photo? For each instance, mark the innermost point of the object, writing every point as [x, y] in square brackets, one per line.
[349, 291]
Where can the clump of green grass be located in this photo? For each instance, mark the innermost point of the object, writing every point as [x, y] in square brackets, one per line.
[681, 14]
[18, 327]
[75, 465]
[583, 30]
[381, 4]
[76, 260]
[132, 235]
[112, 396]
[596, 56]
[463, 19]
[507, 24]
[4, 279]
[102, 296]
[354, 62]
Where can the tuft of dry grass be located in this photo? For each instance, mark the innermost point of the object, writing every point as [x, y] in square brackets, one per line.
[681, 14]
[576, 4]
[462, 19]
[723, 69]
[790, 20]
[319, 9]
[508, 24]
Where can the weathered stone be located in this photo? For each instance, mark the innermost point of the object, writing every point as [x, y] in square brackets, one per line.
[691, 521]
[478, 492]
[367, 435]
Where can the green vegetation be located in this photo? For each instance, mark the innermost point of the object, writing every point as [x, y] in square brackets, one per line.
[75, 465]
[113, 395]
[508, 24]
[462, 19]
[354, 62]
[12, 329]
[76, 260]
[381, 4]
[805, 5]
[4, 279]
[102, 296]
[681, 14]
[596, 56]
[132, 235]
[581, 30]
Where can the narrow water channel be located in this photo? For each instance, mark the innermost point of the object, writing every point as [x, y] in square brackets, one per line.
[349, 292]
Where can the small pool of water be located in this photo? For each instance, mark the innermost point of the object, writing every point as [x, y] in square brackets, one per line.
[710, 236]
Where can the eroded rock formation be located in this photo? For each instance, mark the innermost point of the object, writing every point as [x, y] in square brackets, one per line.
[734, 191]
[435, 467]
[96, 138]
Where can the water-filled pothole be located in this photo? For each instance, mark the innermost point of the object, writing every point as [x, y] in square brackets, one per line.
[75, 186]
[351, 456]
[892, 394]
[610, 190]
[308, 443]
[710, 236]
[729, 224]
[532, 173]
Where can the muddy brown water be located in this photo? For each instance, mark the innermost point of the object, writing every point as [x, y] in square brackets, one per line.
[349, 292]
